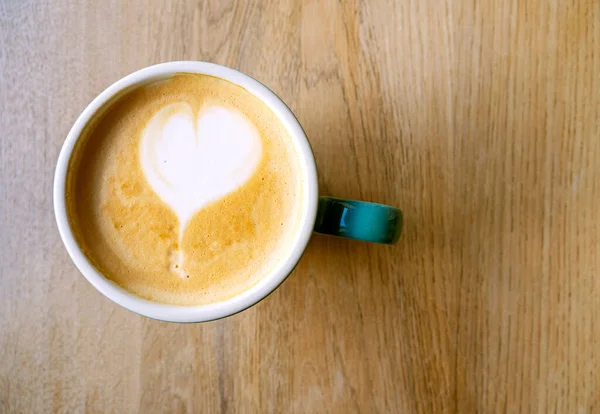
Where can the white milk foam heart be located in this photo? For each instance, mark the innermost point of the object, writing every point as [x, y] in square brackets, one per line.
[192, 159]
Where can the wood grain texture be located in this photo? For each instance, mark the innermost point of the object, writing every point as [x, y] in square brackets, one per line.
[480, 119]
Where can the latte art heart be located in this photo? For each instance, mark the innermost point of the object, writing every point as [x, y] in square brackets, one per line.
[192, 159]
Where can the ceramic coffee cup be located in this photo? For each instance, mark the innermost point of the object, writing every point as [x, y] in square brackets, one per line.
[353, 219]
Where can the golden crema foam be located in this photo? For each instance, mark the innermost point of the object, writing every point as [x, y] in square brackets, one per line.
[185, 191]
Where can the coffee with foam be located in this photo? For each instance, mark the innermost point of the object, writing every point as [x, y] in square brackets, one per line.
[185, 191]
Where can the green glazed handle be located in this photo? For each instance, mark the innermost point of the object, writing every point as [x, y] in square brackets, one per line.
[359, 220]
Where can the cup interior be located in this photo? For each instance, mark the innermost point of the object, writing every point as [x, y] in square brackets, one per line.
[269, 282]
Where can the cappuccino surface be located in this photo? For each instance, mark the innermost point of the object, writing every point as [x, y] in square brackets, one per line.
[185, 191]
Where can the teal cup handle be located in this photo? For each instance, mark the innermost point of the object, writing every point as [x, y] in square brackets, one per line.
[359, 220]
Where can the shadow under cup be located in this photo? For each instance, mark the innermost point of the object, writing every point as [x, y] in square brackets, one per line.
[346, 218]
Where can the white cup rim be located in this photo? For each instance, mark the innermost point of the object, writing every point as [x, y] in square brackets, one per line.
[267, 284]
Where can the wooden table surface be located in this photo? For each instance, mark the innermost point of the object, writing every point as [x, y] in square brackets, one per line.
[481, 120]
